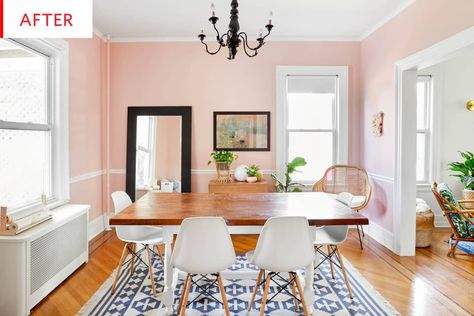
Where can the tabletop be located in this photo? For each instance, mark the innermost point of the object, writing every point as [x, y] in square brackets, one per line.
[163, 209]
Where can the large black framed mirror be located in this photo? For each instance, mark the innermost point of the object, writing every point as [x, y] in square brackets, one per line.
[158, 150]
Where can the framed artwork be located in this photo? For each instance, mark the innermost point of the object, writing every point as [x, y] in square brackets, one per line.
[242, 131]
[377, 124]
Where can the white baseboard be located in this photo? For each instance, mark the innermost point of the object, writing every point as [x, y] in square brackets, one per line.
[381, 235]
[95, 227]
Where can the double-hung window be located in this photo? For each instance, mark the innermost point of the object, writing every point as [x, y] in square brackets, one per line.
[31, 163]
[423, 128]
[312, 119]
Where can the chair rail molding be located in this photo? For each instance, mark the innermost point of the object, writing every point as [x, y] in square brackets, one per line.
[380, 178]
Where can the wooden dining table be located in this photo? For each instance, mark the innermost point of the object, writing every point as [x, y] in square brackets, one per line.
[243, 213]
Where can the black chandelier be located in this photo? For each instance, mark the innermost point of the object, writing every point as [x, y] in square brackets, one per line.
[233, 37]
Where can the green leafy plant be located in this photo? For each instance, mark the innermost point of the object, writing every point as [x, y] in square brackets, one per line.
[465, 169]
[288, 185]
[223, 156]
[253, 171]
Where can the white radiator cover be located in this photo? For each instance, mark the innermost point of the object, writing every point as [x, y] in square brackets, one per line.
[36, 261]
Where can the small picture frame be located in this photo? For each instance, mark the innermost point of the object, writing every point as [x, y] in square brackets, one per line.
[242, 131]
[377, 124]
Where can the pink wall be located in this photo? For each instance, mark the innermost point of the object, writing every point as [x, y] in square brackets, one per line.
[147, 74]
[421, 25]
[86, 120]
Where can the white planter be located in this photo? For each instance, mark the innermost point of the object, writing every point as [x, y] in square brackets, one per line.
[468, 195]
[251, 179]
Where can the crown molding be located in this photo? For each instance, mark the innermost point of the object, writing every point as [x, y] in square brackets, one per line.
[196, 40]
[385, 19]
[99, 33]
[364, 35]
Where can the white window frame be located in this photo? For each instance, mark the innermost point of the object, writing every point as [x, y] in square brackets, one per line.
[58, 110]
[342, 105]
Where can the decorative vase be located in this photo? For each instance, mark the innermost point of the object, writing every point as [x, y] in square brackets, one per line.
[251, 179]
[468, 195]
[240, 173]
[223, 171]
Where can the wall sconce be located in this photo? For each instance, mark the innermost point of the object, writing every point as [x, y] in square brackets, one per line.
[470, 105]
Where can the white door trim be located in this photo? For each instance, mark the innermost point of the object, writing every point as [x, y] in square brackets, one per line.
[404, 218]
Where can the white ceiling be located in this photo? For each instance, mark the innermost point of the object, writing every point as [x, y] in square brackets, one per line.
[293, 19]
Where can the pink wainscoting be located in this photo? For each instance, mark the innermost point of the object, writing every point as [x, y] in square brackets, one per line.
[86, 120]
[147, 74]
[421, 25]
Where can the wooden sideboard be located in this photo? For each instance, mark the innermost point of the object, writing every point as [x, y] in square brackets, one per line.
[238, 187]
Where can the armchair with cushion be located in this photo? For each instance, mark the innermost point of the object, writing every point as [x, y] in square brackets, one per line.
[352, 179]
[459, 218]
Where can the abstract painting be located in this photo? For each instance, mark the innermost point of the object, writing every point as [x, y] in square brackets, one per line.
[242, 131]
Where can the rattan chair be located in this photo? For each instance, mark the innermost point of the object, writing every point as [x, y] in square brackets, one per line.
[459, 218]
[351, 179]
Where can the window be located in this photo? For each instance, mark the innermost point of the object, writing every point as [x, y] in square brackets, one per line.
[145, 168]
[30, 134]
[423, 128]
[313, 120]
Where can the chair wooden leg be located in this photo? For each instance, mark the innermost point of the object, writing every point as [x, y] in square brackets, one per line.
[293, 290]
[330, 261]
[223, 295]
[185, 297]
[259, 279]
[360, 237]
[125, 252]
[265, 294]
[453, 248]
[300, 290]
[346, 279]
[157, 248]
[185, 286]
[150, 270]
[132, 260]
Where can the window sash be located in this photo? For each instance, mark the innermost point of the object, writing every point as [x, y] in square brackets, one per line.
[427, 130]
[56, 104]
[322, 131]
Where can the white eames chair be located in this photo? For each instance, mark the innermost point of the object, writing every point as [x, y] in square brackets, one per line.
[147, 236]
[203, 247]
[331, 237]
[284, 246]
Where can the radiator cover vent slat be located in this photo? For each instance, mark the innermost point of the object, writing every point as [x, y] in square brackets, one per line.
[55, 250]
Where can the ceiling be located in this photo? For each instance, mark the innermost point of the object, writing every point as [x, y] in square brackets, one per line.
[293, 19]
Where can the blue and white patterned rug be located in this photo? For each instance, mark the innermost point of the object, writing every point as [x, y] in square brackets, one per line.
[133, 295]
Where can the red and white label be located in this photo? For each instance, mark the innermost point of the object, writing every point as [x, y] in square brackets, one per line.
[46, 18]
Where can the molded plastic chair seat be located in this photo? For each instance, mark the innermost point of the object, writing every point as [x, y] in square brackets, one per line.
[145, 235]
[203, 247]
[284, 246]
[331, 235]
[148, 236]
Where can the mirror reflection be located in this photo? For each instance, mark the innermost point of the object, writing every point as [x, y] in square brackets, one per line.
[158, 154]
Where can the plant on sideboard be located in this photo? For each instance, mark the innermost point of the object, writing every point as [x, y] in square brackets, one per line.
[223, 159]
[287, 185]
[465, 170]
[254, 174]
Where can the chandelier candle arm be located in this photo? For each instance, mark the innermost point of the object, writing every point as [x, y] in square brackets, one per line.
[233, 37]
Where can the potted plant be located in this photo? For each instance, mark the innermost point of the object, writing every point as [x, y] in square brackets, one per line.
[223, 159]
[465, 171]
[288, 185]
[253, 174]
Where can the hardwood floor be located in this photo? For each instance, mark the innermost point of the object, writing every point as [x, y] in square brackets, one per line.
[428, 284]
